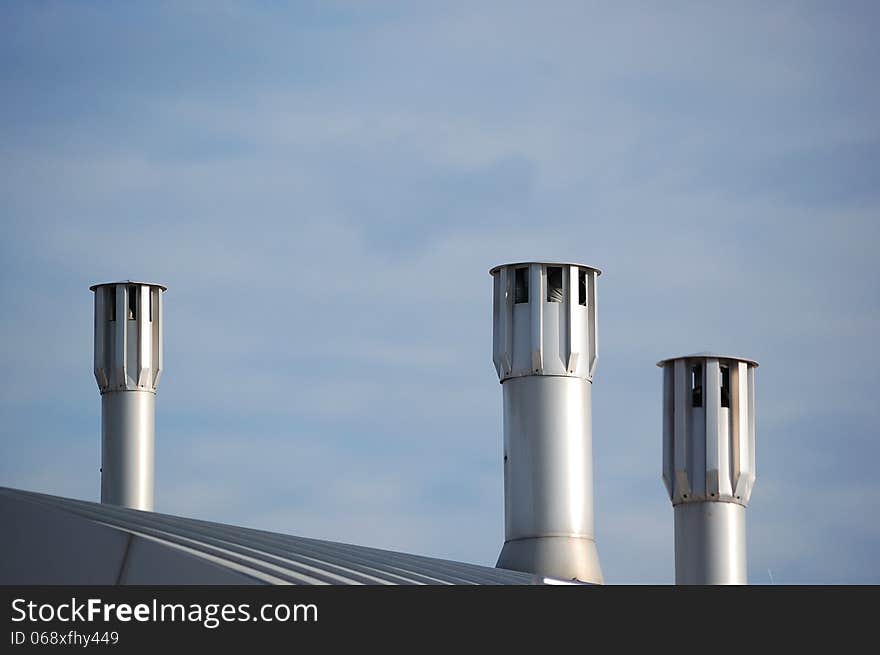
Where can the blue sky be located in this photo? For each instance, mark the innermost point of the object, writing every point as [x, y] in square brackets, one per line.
[324, 186]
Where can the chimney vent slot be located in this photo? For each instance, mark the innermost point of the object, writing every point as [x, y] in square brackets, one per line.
[554, 284]
[697, 386]
[725, 386]
[110, 302]
[132, 302]
[521, 293]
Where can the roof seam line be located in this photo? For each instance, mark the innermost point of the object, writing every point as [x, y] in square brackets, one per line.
[124, 564]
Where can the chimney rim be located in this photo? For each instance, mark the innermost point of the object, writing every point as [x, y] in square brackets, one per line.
[126, 282]
[495, 269]
[708, 355]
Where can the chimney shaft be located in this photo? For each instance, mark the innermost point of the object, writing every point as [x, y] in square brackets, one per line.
[709, 463]
[128, 363]
[545, 349]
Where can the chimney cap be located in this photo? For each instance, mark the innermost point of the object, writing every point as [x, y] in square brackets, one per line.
[495, 269]
[707, 355]
[113, 284]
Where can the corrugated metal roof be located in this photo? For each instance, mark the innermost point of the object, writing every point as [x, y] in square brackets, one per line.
[65, 541]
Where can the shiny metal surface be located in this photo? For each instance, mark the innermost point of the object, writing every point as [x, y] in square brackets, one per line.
[708, 449]
[540, 337]
[128, 351]
[548, 461]
[128, 365]
[65, 541]
[710, 544]
[137, 282]
[496, 269]
[564, 558]
[127, 448]
[708, 355]
[545, 351]
[709, 463]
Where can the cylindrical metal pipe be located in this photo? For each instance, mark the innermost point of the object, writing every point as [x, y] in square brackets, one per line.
[128, 364]
[545, 350]
[709, 463]
[127, 448]
[548, 474]
[710, 544]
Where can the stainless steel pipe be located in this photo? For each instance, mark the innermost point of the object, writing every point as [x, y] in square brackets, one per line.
[128, 364]
[710, 544]
[127, 448]
[545, 349]
[709, 463]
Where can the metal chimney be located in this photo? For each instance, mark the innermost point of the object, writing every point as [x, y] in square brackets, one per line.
[545, 348]
[709, 463]
[128, 362]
